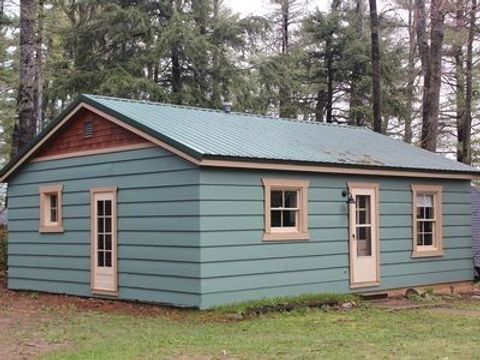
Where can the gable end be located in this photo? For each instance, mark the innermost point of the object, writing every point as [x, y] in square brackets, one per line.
[88, 132]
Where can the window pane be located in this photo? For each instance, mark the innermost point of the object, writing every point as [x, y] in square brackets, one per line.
[100, 225]
[424, 200]
[53, 215]
[362, 217]
[100, 260]
[364, 241]
[100, 242]
[419, 239]
[108, 225]
[276, 199]
[429, 213]
[428, 226]
[276, 218]
[108, 207]
[53, 201]
[419, 227]
[289, 218]
[427, 239]
[291, 199]
[100, 207]
[108, 259]
[420, 213]
[108, 242]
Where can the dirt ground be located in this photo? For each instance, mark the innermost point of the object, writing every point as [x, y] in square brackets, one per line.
[21, 312]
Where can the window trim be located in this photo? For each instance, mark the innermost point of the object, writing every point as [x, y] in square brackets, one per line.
[45, 192]
[437, 248]
[301, 232]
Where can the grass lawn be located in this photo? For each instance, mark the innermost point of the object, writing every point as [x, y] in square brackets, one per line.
[365, 332]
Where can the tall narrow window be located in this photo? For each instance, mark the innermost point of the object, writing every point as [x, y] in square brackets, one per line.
[51, 209]
[286, 210]
[427, 220]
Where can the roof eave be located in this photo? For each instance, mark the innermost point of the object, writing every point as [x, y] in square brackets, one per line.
[209, 160]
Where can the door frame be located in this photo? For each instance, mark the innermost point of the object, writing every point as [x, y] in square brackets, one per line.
[94, 191]
[376, 217]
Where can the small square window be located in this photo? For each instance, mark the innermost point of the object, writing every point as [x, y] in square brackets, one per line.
[286, 210]
[51, 209]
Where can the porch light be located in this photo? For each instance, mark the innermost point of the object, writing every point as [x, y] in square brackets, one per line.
[349, 196]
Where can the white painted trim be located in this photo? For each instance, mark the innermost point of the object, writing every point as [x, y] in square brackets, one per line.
[301, 231]
[255, 165]
[113, 192]
[93, 152]
[46, 226]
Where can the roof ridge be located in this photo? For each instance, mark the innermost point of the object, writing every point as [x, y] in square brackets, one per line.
[246, 114]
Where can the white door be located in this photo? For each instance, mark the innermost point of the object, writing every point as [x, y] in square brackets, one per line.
[104, 240]
[363, 235]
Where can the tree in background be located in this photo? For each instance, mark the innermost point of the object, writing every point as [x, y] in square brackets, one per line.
[376, 67]
[25, 124]
[315, 65]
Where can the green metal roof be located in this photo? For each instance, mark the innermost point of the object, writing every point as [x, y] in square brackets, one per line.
[213, 134]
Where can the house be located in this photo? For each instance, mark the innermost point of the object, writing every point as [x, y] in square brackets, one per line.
[194, 207]
[476, 228]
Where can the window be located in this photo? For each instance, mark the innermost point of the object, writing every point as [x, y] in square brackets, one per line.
[427, 220]
[51, 208]
[286, 210]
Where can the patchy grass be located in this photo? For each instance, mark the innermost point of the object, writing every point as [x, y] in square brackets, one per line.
[309, 334]
[279, 304]
[366, 332]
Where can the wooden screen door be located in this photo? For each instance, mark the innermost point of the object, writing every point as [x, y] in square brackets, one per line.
[364, 266]
[104, 240]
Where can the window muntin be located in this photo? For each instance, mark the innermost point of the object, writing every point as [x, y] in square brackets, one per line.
[286, 213]
[104, 233]
[363, 225]
[284, 210]
[51, 208]
[427, 221]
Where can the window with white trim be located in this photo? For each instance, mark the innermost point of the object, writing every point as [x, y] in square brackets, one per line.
[286, 209]
[51, 208]
[427, 220]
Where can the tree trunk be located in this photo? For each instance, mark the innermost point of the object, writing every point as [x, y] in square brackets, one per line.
[459, 76]
[431, 112]
[283, 91]
[38, 93]
[464, 103]
[25, 126]
[467, 146]
[376, 68]
[320, 106]
[355, 116]
[216, 78]
[411, 74]
[176, 67]
[330, 74]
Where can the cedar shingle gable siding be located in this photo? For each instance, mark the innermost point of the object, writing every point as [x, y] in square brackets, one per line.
[105, 135]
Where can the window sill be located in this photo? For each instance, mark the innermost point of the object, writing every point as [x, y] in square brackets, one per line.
[283, 236]
[427, 253]
[51, 229]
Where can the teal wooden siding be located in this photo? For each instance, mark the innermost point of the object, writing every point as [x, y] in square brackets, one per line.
[236, 265]
[193, 237]
[158, 222]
